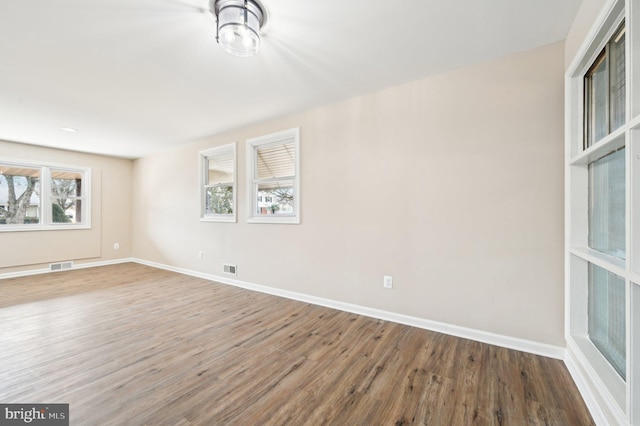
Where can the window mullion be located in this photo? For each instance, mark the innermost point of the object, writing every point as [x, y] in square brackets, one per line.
[46, 196]
[587, 120]
[607, 105]
[254, 165]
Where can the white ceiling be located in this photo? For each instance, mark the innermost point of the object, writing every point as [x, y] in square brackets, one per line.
[137, 76]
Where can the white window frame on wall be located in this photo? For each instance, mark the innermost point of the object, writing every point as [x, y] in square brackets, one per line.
[46, 197]
[253, 144]
[611, 399]
[204, 170]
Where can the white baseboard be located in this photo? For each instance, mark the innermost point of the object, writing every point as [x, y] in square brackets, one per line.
[543, 349]
[75, 266]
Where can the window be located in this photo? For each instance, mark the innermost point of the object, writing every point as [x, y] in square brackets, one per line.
[219, 184]
[607, 204]
[36, 197]
[605, 112]
[19, 195]
[602, 195]
[67, 196]
[273, 176]
[604, 89]
[607, 315]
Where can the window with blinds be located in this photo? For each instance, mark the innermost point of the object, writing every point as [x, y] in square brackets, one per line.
[604, 109]
[274, 178]
[607, 204]
[606, 314]
[604, 91]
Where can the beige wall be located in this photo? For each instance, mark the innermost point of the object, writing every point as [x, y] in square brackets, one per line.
[111, 214]
[451, 184]
[587, 14]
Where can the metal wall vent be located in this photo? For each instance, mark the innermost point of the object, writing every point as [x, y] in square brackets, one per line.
[230, 269]
[60, 266]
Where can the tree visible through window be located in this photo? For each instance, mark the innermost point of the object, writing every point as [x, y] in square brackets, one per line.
[218, 183]
[23, 200]
[66, 195]
[19, 195]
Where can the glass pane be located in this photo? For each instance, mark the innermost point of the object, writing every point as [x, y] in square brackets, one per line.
[219, 200]
[19, 195]
[221, 168]
[66, 210]
[607, 204]
[607, 313]
[276, 161]
[66, 187]
[596, 102]
[617, 77]
[275, 198]
[66, 183]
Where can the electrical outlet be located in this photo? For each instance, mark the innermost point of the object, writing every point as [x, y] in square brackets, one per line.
[388, 281]
[116, 246]
[200, 255]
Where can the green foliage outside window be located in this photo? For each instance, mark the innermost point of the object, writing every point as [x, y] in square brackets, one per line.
[220, 200]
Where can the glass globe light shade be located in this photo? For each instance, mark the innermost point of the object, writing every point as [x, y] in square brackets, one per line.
[239, 23]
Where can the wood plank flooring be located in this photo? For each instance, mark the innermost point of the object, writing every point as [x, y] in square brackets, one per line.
[132, 345]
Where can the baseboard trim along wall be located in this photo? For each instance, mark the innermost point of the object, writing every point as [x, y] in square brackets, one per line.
[537, 348]
[543, 349]
[75, 266]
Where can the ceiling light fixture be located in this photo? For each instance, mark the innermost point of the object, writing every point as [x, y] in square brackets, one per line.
[238, 25]
[68, 129]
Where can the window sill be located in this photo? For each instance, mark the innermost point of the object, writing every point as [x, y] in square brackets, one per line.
[22, 228]
[221, 218]
[292, 220]
[608, 377]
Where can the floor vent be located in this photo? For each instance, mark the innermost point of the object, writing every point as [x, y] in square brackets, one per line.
[230, 269]
[60, 266]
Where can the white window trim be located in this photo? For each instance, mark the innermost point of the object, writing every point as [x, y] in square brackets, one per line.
[272, 139]
[46, 198]
[204, 157]
[611, 399]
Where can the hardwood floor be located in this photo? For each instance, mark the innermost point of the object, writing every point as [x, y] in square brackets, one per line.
[132, 345]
